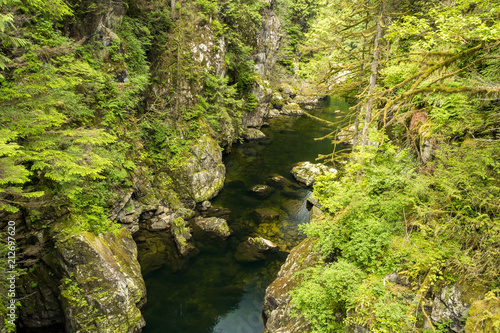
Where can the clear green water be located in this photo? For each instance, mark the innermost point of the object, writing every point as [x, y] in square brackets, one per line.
[216, 293]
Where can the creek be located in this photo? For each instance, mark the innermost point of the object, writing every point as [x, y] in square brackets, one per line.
[215, 293]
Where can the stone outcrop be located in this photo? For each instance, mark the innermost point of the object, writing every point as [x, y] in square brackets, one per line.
[277, 309]
[279, 181]
[104, 14]
[449, 306]
[266, 54]
[204, 172]
[102, 287]
[307, 172]
[254, 249]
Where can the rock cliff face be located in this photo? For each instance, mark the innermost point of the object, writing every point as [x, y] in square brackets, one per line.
[205, 173]
[86, 283]
[102, 287]
[96, 15]
[277, 308]
[268, 43]
[92, 283]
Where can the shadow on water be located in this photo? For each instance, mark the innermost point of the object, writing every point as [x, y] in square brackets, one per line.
[217, 294]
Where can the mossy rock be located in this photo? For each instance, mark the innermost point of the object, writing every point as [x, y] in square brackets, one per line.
[484, 315]
[214, 226]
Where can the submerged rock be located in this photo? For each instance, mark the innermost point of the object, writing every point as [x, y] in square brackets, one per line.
[262, 191]
[307, 172]
[254, 249]
[279, 181]
[277, 307]
[213, 226]
[266, 215]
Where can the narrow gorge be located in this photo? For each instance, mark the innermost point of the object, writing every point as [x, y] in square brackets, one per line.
[263, 166]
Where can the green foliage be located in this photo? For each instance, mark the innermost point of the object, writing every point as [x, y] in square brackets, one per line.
[220, 107]
[137, 39]
[435, 228]
[54, 106]
[324, 292]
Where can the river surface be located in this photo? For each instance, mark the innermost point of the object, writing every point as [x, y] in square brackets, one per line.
[217, 294]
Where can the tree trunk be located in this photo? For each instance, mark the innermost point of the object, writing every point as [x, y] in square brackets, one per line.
[172, 7]
[373, 76]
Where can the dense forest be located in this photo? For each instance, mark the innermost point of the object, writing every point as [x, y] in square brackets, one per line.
[103, 100]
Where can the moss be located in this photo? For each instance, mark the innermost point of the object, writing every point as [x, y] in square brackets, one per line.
[484, 315]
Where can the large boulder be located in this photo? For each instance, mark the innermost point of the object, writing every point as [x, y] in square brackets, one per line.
[205, 171]
[277, 310]
[102, 287]
[307, 172]
[292, 109]
[253, 134]
[254, 249]
[214, 226]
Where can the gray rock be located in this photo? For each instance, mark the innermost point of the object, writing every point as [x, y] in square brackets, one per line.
[254, 249]
[273, 113]
[312, 201]
[397, 279]
[182, 235]
[449, 306]
[307, 172]
[204, 172]
[213, 226]
[205, 205]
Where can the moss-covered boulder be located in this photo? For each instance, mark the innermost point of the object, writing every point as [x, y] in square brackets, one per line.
[484, 315]
[205, 172]
[277, 310]
[292, 109]
[254, 249]
[102, 287]
[214, 226]
[307, 172]
[450, 306]
[253, 134]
